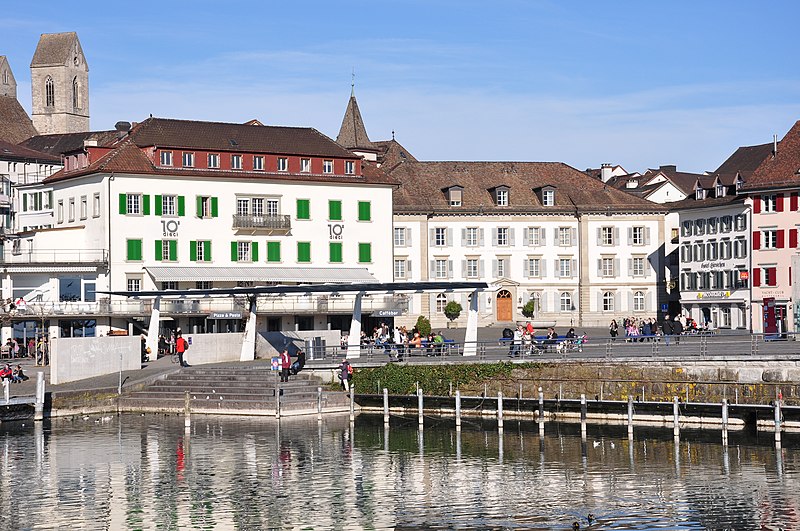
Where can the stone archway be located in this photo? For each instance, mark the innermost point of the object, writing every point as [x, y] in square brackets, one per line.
[505, 306]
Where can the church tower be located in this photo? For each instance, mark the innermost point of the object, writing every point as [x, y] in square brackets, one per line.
[59, 85]
[8, 85]
[353, 134]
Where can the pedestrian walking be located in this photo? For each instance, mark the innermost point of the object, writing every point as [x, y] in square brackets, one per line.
[181, 346]
[286, 363]
[345, 374]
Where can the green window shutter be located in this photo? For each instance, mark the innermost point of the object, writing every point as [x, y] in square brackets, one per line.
[193, 251]
[334, 210]
[273, 251]
[254, 251]
[303, 251]
[303, 209]
[24, 202]
[158, 200]
[199, 207]
[158, 250]
[234, 252]
[138, 253]
[207, 250]
[146, 204]
[134, 250]
[364, 211]
[173, 250]
[123, 204]
[336, 252]
[181, 205]
[365, 253]
[214, 207]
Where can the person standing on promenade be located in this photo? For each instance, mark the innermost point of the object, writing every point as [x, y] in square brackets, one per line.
[286, 362]
[180, 347]
[677, 329]
[613, 329]
[666, 329]
[345, 374]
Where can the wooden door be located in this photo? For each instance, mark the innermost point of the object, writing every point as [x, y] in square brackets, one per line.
[505, 306]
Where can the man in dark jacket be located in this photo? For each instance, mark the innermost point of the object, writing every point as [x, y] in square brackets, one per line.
[666, 329]
[677, 329]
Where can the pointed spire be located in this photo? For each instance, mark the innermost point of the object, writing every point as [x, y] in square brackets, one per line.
[352, 133]
[353, 84]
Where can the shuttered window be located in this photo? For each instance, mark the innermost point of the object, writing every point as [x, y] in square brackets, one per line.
[134, 250]
[303, 209]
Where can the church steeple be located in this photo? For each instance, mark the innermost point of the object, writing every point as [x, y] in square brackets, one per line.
[353, 134]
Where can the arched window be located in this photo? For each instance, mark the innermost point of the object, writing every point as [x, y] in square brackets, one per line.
[566, 301]
[441, 302]
[49, 92]
[608, 301]
[76, 98]
[5, 77]
[638, 301]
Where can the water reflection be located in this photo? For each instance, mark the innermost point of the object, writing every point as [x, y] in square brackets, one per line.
[254, 473]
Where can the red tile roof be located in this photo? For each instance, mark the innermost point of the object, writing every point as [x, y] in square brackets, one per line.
[15, 124]
[9, 151]
[782, 170]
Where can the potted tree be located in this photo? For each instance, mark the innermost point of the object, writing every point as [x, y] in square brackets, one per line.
[452, 311]
[529, 309]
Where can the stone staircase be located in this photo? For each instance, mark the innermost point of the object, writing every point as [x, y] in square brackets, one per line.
[233, 391]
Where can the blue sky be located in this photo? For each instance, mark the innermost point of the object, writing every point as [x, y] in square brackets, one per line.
[635, 83]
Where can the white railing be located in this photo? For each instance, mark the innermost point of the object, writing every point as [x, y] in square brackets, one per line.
[49, 256]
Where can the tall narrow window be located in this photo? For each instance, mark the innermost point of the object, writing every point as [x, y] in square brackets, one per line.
[76, 98]
[49, 92]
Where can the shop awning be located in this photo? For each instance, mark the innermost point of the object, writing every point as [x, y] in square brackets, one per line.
[281, 275]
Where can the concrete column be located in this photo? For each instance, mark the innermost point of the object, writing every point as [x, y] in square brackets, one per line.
[249, 344]
[152, 329]
[471, 336]
[354, 338]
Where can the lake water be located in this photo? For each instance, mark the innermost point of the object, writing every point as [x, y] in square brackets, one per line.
[149, 472]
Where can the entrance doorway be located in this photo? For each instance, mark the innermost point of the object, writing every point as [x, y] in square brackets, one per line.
[505, 306]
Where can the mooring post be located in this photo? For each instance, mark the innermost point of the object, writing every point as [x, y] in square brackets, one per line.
[419, 405]
[725, 422]
[541, 412]
[38, 413]
[319, 403]
[352, 403]
[676, 429]
[458, 409]
[187, 412]
[583, 415]
[778, 421]
[385, 406]
[630, 416]
[7, 390]
[500, 410]
[277, 397]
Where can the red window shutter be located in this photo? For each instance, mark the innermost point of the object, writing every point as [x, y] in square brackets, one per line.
[790, 275]
[756, 204]
[772, 276]
[756, 241]
[779, 203]
[780, 238]
[756, 275]
[793, 238]
[793, 202]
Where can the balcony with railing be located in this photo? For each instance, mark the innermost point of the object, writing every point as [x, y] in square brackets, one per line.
[271, 224]
[11, 255]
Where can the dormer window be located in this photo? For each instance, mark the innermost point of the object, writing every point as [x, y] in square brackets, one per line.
[739, 183]
[501, 196]
[633, 183]
[699, 194]
[720, 191]
[454, 195]
[548, 197]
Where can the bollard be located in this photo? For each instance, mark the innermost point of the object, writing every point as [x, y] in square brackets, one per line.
[458, 409]
[630, 417]
[39, 407]
[385, 406]
[777, 421]
[277, 397]
[500, 410]
[725, 422]
[7, 390]
[541, 412]
[583, 415]
[352, 403]
[187, 419]
[676, 430]
[419, 405]
[319, 403]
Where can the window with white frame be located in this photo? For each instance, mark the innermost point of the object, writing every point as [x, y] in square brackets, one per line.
[502, 236]
[96, 205]
[548, 198]
[637, 266]
[273, 207]
[564, 236]
[213, 160]
[440, 237]
[200, 250]
[699, 252]
[534, 267]
[712, 250]
[607, 267]
[188, 159]
[133, 204]
[471, 237]
[711, 225]
[608, 301]
[84, 207]
[769, 239]
[501, 267]
[501, 196]
[305, 165]
[606, 235]
[243, 251]
[350, 167]
[169, 284]
[400, 268]
[565, 301]
[534, 236]
[726, 222]
[720, 190]
[166, 158]
[472, 268]
[740, 222]
[399, 236]
[637, 235]
[258, 162]
[638, 301]
[441, 302]
[686, 252]
[770, 203]
[686, 228]
[283, 164]
[699, 227]
[564, 267]
[236, 162]
[203, 284]
[134, 284]
[59, 212]
[327, 166]
[725, 316]
[725, 249]
[441, 268]
[739, 248]
[699, 194]
[168, 203]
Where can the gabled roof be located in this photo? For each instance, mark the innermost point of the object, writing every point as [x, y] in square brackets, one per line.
[15, 125]
[61, 143]
[353, 133]
[393, 153]
[9, 151]
[684, 181]
[55, 49]
[421, 185]
[781, 170]
[744, 162]
[10, 89]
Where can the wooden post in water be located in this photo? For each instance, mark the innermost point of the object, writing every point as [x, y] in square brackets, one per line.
[187, 410]
[630, 416]
[7, 390]
[777, 422]
[500, 410]
[676, 429]
[583, 415]
[458, 409]
[725, 422]
[319, 403]
[419, 406]
[385, 406]
[277, 397]
[541, 412]
[352, 403]
[38, 413]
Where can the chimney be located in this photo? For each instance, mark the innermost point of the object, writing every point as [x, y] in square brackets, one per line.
[122, 129]
[605, 172]
[668, 167]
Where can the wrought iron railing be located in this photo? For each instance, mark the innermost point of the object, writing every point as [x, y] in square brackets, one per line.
[262, 222]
